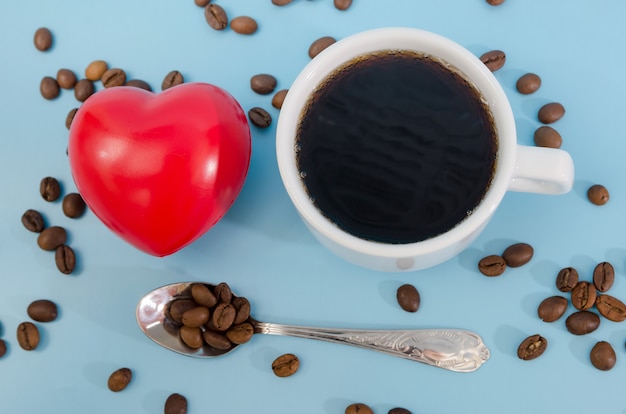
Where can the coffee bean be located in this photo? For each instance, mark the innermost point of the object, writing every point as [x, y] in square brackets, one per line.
[175, 404]
[603, 276]
[552, 308]
[567, 279]
[495, 2]
[202, 3]
[281, 2]
[65, 259]
[279, 98]
[216, 16]
[83, 89]
[603, 356]
[113, 77]
[319, 45]
[528, 83]
[548, 137]
[240, 334]
[611, 308]
[49, 188]
[49, 87]
[285, 365]
[492, 265]
[42, 310]
[28, 336]
[3, 348]
[263, 83]
[223, 292]
[244, 25]
[532, 347]
[203, 295]
[399, 410]
[192, 337]
[242, 307]
[66, 79]
[173, 78]
[33, 221]
[223, 316]
[120, 379]
[217, 340]
[95, 70]
[178, 307]
[493, 59]
[408, 298]
[598, 194]
[582, 322]
[518, 254]
[342, 4]
[138, 83]
[73, 205]
[51, 238]
[584, 295]
[551, 112]
[260, 117]
[43, 39]
[358, 408]
[70, 117]
[196, 317]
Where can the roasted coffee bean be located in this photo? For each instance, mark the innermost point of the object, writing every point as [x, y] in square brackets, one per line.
[320, 44]
[33, 221]
[95, 70]
[493, 59]
[582, 322]
[196, 317]
[532, 347]
[518, 254]
[263, 83]
[279, 98]
[603, 276]
[528, 83]
[408, 298]
[492, 265]
[552, 308]
[70, 117]
[603, 356]
[285, 365]
[51, 238]
[342, 4]
[223, 293]
[65, 259]
[119, 379]
[584, 295]
[66, 79]
[178, 307]
[399, 410]
[49, 87]
[240, 334]
[3, 348]
[49, 188]
[567, 279]
[43, 39]
[173, 78]
[192, 337]
[242, 307]
[548, 137]
[175, 404]
[281, 2]
[611, 308]
[598, 194]
[260, 117]
[138, 83]
[73, 205]
[495, 2]
[27, 336]
[358, 408]
[217, 340]
[113, 77]
[216, 16]
[551, 112]
[42, 310]
[223, 316]
[203, 295]
[202, 3]
[245, 25]
[83, 89]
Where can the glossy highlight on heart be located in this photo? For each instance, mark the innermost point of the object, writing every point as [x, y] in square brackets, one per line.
[160, 169]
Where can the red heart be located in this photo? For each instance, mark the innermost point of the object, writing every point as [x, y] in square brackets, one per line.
[160, 169]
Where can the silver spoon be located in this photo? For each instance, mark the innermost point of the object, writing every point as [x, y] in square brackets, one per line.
[452, 349]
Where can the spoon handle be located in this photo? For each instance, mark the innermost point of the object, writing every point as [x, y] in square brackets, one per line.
[452, 349]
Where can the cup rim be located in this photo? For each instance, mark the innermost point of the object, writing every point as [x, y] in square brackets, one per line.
[403, 38]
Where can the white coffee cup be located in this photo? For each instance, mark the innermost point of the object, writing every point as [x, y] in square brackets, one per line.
[518, 168]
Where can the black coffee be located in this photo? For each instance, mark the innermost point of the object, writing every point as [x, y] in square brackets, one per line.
[395, 147]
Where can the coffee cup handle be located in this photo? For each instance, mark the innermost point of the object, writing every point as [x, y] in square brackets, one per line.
[542, 170]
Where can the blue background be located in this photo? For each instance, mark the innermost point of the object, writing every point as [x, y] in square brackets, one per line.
[263, 249]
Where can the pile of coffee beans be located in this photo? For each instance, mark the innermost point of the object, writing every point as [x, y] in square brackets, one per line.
[515, 255]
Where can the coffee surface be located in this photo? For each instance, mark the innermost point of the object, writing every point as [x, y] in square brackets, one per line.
[395, 147]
